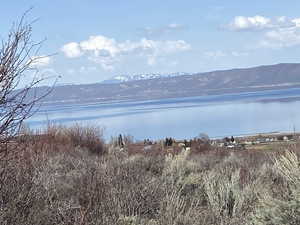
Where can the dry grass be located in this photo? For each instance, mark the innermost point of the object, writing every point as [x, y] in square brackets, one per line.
[70, 176]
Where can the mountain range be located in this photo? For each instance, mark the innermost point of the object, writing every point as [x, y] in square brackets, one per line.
[158, 86]
[145, 76]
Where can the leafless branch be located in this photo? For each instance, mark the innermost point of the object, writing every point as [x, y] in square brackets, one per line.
[18, 55]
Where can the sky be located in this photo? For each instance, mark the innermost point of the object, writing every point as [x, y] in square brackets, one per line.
[94, 40]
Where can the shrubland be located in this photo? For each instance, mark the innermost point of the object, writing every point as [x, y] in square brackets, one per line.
[71, 176]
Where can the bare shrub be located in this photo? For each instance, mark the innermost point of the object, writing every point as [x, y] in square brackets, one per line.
[176, 210]
[228, 201]
[284, 208]
[89, 137]
[55, 180]
[85, 137]
[18, 57]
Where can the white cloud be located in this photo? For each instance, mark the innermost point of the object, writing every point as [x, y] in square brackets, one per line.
[215, 54]
[72, 50]
[82, 69]
[242, 23]
[175, 26]
[162, 47]
[107, 51]
[151, 61]
[218, 54]
[100, 44]
[284, 37]
[159, 31]
[87, 69]
[239, 54]
[249, 23]
[40, 61]
[296, 21]
[278, 32]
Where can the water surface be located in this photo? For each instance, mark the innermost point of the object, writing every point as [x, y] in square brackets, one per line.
[217, 115]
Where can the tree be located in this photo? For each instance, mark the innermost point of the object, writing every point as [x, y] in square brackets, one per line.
[203, 137]
[18, 57]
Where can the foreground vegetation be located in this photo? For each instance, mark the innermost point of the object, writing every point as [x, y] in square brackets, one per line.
[69, 176]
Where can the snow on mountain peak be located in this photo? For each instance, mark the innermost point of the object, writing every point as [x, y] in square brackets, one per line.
[147, 76]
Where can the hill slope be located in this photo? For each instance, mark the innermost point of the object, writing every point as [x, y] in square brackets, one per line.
[216, 82]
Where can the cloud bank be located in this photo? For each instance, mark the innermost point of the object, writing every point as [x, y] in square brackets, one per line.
[277, 32]
[258, 23]
[107, 51]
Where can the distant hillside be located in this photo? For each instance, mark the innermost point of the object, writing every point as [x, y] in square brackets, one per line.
[217, 82]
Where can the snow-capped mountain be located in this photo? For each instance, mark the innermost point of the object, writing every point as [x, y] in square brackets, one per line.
[270, 77]
[126, 78]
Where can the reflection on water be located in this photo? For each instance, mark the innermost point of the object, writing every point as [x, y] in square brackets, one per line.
[218, 116]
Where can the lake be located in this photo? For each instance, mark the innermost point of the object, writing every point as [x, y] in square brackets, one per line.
[183, 118]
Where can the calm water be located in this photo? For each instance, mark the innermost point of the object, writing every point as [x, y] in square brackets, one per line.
[217, 116]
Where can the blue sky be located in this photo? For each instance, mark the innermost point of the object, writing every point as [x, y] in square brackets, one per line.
[95, 40]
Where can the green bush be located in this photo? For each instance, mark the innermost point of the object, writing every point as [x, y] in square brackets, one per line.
[284, 208]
